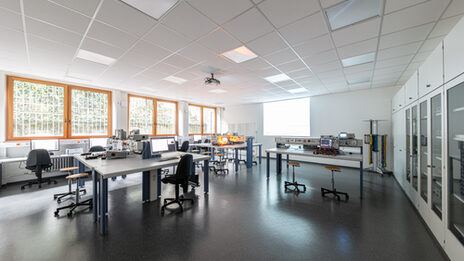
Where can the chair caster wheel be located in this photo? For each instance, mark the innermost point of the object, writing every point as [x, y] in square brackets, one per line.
[162, 212]
[31, 186]
[70, 214]
[59, 201]
[56, 213]
[55, 182]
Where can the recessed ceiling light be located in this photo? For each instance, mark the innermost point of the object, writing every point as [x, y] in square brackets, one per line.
[95, 57]
[277, 78]
[352, 11]
[359, 80]
[174, 79]
[297, 90]
[218, 91]
[155, 9]
[240, 54]
[360, 59]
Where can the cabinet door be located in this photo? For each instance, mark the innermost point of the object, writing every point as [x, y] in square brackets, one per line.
[398, 100]
[431, 72]
[453, 52]
[411, 93]
[423, 150]
[436, 153]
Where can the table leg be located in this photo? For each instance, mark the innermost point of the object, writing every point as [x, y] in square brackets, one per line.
[103, 205]
[260, 153]
[95, 197]
[361, 179]
[278, 163]
[206, 176]
[81, 170]
[268, 162]
[212, 154]
[288, 159]
[236, 160]
[145, 186]
[158, 183]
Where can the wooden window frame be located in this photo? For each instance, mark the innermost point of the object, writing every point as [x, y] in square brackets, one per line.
[66, 110]
[155, 115]
[202, 121]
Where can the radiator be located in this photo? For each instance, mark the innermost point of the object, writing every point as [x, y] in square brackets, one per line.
[61, 162]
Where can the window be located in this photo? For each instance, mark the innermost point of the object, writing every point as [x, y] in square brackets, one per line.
[141, 114]
[89, 112]
[287, 118]
[202, 120]
[40, 109]
[166, 118]
[151, 116]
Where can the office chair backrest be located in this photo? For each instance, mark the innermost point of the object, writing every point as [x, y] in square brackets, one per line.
[207, 141]
[184, 168]
[96, 149]
[38, 159]
[185, 146]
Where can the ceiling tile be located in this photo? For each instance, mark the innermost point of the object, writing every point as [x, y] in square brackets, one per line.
[410, 35]
[219, 41]
[324, 57]
[430, 44]
[102, 48]
[267, 72]
[420, 57]
[456, 7]
[111, 35]
[393, 70]
[11, 5]
[429, 11]
[280, 57]
[221, 11]
[359, 68]
[255, 64]
[331, 66]
[291, 66]
[86, 7]
[443, 27]
[358, 48]
[313, 25]
[267, 44]
[197, 26]
[249, 26]
[12, 43]
[314, 46]
[179, 61]
[125, 18]
[144, 55]
[300, 74]
[329, 3]
[394, 5]
[165, 68]
[330, 76]
[166, 38]
[54, 14]
[86, 69]
[150, 50]
[52, 33]
[197, 53]
[284, 12]
[189, 76]
[10, 19]
[357, 32]
[393, 62]
[402, 50]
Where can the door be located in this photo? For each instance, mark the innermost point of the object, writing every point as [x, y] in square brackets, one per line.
[423, 150]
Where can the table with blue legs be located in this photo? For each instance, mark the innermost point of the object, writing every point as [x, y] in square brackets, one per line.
[102, 170]
[236, 148]
[310, 154]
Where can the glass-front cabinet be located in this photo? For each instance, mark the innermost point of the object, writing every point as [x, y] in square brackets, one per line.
[455, 139]
[414, 158]
[436, 150]
[423, 150]
[408, 145]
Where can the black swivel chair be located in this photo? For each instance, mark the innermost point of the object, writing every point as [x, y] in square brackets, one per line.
[37, 161]
[96, 149]
[185, 146]
[181, 178]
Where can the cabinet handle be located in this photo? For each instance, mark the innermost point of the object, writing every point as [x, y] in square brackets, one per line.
[428, 85]
[410, 98]
[400, 105]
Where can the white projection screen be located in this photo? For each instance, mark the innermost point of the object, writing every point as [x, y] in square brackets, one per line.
[287, 118]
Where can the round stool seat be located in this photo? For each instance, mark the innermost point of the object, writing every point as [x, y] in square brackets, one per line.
[69, 169]
[207, 152]
[77, 176]
[220, 155]
[332, 168]
[293, 163]
[195, 151]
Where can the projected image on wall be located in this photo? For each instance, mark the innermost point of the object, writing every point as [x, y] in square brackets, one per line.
[287, 118]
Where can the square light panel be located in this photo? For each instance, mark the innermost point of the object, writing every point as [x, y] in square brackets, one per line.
[218, 91]
[95, 57]
[240, 54]
[360, 59]
[277, 78]
[352, 11]
[174, 79]
[155, 9]
[297, 90]
[359, 80]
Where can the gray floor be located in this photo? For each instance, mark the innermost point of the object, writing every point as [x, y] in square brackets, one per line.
[244, 217]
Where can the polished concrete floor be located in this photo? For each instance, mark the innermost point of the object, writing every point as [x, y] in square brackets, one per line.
[244, 217]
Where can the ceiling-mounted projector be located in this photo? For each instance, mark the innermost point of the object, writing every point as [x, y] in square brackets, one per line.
[212, 81]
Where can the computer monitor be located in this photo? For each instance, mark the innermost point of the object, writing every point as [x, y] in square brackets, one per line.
[171, 144]
[326, 143]
[50, 144]
[159, 145]
[196, 137]
[98, 142]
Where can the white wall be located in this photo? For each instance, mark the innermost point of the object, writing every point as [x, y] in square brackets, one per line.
[330, 114]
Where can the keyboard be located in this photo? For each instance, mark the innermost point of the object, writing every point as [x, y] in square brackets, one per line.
[170, 156]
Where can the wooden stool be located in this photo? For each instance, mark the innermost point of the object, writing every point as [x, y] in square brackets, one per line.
[77, 203]
[295, 184]
[195, 151]
[59, 196]
[221, 165]
[334, 191]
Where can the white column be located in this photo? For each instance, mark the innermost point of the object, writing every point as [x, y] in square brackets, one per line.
[183, 119]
